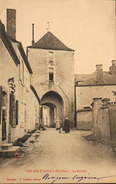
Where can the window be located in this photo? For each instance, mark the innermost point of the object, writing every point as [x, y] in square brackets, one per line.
[51, 69]
[51, 74]
[51, 58]
[51, 63]
[51, 77]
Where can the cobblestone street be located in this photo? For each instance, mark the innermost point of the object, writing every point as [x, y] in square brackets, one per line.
[52, 154]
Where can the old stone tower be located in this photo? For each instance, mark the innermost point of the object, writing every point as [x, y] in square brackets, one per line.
[53, 78]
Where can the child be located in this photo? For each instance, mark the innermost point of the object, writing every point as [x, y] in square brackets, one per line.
[60, 131]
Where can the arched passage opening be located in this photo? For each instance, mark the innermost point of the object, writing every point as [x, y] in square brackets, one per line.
[52, 106]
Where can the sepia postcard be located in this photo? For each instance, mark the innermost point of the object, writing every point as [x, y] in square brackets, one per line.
[57, 91]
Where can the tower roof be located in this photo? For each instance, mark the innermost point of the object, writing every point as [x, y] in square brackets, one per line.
[49, 41]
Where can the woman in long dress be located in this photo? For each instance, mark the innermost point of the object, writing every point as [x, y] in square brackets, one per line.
[57, 123]
[67, 125]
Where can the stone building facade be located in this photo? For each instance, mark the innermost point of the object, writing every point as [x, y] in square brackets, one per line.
[53, 67]
[19, 104]
[99, 84]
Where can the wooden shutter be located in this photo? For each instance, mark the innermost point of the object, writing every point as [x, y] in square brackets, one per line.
[14, 115]
[17, 109]
[11, 111]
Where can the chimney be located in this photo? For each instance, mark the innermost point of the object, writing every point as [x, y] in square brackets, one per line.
[99, 69]
[112, 69]
[113, 62]
[33, 34]
[11, 23]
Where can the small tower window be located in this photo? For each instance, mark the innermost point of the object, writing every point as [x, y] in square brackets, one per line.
[51, 58]
[51, 77]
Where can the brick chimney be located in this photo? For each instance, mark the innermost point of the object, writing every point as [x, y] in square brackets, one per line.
[112, 69]
[11, 23]
[99, 69]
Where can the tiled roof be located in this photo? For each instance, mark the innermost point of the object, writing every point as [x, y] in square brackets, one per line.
[80, 77]
[91, 79]
[49, 41]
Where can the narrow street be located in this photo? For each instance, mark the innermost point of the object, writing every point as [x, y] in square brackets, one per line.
[64, 157]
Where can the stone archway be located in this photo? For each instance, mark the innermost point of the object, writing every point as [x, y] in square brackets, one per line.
[53, 103]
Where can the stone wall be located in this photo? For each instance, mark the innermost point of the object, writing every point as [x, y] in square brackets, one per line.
[84, 119]
[104, 120]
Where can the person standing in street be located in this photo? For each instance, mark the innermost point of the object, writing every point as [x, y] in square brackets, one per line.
[57, 123]
[67, 125]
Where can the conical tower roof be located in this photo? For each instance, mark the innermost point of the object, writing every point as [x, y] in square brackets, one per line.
[49, 41]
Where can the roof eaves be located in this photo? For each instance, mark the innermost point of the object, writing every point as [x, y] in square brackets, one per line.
[13, 40]
[91, 85]
[34, 47]
[25, 58]
[35, 93]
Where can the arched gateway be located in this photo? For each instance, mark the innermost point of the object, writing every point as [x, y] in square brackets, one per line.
[52, 106]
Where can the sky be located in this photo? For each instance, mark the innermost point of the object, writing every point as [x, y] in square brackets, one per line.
[87, 26]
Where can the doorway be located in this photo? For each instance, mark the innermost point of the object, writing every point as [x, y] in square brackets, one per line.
[4, 116]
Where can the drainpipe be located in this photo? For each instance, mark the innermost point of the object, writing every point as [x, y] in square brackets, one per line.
[0, 116]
